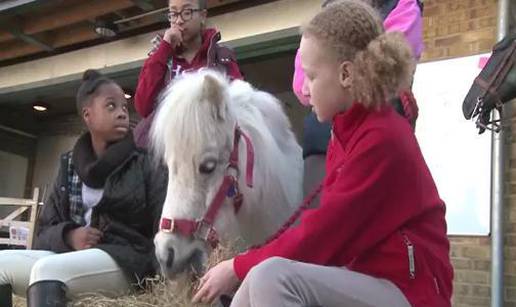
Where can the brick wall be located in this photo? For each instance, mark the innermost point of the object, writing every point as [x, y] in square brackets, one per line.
[471, 261]
[455, 28]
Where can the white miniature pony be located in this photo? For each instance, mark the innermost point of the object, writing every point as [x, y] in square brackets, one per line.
[235, 168]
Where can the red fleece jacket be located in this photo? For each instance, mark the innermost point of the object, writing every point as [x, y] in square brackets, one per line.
[378, 202]
[155, 74]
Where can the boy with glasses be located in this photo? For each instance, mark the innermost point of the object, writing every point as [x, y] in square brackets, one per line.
[186, 46]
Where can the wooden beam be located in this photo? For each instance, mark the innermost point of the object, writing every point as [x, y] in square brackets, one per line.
[29, 39]
[17, 143]
[80, 33]
[69, 15]
[6, 201]
[9, 5]
[215, 3]
[74, 35]
[9, 50]
[66, 37]
[7, 241]
[15, 214]
[17, 132]
[13, 223]
[144, 5]
[62, 38]
[32, 218]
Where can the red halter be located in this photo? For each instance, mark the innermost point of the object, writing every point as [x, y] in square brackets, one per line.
[203, 228]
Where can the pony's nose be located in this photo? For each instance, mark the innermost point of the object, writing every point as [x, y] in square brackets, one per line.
[170, 258]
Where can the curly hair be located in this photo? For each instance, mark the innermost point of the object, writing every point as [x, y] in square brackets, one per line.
[353, 31]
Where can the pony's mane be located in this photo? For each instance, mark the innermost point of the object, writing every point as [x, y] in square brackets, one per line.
[184, 121]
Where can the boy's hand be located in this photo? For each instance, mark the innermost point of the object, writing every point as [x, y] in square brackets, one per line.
[83, 237]
[174, 35]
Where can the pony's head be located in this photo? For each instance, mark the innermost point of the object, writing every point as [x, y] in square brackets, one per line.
[194, 133]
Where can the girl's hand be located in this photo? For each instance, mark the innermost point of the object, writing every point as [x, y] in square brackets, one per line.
[219, 280]
[83, 238]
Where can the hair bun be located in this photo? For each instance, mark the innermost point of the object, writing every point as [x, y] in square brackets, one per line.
[90, 75]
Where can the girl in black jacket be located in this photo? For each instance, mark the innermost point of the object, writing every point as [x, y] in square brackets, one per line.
[95, 231]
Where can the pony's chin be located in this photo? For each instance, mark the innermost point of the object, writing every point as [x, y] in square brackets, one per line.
[196, 264]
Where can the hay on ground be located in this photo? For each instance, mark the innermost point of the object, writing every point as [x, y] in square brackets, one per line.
[158, 292]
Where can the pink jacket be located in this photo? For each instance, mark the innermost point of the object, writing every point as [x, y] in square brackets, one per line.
[405, 18]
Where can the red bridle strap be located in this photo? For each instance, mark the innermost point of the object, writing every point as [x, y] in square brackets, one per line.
[203, 229]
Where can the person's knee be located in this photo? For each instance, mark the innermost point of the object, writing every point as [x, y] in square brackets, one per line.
[11, 264]
[48, 268]
[271, 274]
[8, 260]
[6, 257]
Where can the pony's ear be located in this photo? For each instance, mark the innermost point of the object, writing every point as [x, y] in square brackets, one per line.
[213, 93]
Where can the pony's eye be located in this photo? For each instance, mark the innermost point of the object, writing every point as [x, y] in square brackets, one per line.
[207, 167]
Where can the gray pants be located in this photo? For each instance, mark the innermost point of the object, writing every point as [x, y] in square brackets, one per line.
[281, 282]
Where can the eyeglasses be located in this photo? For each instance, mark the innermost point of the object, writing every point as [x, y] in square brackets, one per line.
[186, 14]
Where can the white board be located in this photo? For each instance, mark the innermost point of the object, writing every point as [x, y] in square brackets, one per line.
[459, 158]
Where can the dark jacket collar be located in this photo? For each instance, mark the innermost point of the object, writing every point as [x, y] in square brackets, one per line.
[94, 171]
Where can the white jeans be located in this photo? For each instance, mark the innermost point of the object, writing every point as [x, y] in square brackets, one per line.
[85, 271]
[280, 282]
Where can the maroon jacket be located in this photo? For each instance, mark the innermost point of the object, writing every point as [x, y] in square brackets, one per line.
[380, 212]
[165, 64]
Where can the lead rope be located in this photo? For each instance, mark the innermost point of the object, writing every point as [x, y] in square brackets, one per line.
[293, 218]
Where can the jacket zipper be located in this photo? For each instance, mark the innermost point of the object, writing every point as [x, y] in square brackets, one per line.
[411, 256]
[214, 39]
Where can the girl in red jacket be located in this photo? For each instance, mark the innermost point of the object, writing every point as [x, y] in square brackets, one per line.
[186, 46]
[379, 235]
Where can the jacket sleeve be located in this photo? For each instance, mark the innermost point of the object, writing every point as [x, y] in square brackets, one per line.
[152, 79]
[406, 18]
[52, 225]
[356, 211]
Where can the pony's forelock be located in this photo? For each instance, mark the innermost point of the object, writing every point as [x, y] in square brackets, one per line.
[182, 125]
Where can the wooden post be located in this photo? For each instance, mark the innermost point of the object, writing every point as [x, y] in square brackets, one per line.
[33, 216]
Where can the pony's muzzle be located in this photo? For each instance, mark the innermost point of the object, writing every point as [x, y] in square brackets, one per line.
[170, 259]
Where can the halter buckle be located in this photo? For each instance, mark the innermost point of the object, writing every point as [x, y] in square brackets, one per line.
[206, 232]
[167, 225]
[232, 170]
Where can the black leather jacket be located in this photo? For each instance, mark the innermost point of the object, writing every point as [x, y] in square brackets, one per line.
[127, 214]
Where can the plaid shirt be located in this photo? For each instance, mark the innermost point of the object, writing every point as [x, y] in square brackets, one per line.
[75, 193]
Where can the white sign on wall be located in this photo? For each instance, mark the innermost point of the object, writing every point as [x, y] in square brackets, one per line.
[459, 158]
